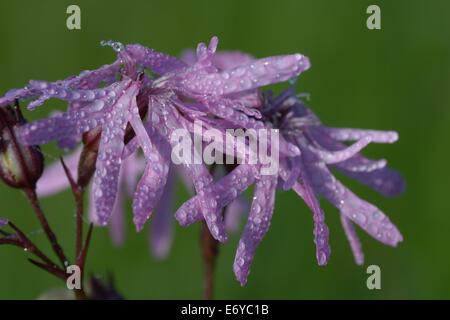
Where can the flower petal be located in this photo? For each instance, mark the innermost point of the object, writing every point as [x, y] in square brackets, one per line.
[117, 228]
[377, 136]
[161, 227]
[109, 159]
[235, 210]
[353, 240]
[54, 179]
[156, 61]
[151, 186]
[331, 157]
[367, 216]
[246, 77]
[372, 173]
[74, 122]
[257, 225]
[198, 173]
[385, 181]
[224, 191]
[304, 189]
[225, 60]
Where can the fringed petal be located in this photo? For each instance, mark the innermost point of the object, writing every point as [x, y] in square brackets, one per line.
[331, 157]
[321, 232]
[224, 192]
[246, 77]
[155, 61]
[376, 136]
[353, 240]
[234, 212]
[367, 216]
[257, 225]
[54, 180]
[109, 159]
[161, 234]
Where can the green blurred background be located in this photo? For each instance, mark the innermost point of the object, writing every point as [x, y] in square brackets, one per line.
[395, 78]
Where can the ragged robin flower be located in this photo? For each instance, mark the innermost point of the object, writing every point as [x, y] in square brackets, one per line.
[308, 174]
[141, 111]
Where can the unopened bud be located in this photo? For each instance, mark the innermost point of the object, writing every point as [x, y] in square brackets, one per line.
[88, 158]
[20, 165]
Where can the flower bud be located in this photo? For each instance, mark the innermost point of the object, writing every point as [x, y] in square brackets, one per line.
[88, 158]
[20, 165]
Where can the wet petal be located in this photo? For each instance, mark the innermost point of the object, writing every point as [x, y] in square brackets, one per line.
[304, 189]
[372, 173]
[74, 122]
[330, 157]
[246, 77]
[225, 60]
[109, 159]
[198, 173]
[117, 228]
[224, 192]
[386, 181]
[364, 214]
[156, 61]
[353, 240]
[257, 225]
[377, 136]
[234, 212]
[54, 179]
[151, 186]
[161, 227]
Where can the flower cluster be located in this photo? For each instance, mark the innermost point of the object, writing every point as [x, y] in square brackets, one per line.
[138, 101]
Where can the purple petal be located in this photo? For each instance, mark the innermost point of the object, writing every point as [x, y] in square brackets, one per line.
[377, 136]
[250, 76]
[206, 53]
[361, 164]
[330, 157]
[156, 61]
[225, 60]
[149, 189]
[353, 240]
[92, 78]
[186, 180]
[206, 202]
[161, 226]
[321, 233]
[74, 122]
[250, 98]
[108, 164]
[198, 173]
[386, 181]
[225, 191]
[151, 186]
[16, 94]
[367, 216]
[134, 168]
[235, 210]
[372, 173]
[54, 179]
[54, 90]
[233, 112]
[117, 227]
[188, 56]
[257, 225]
